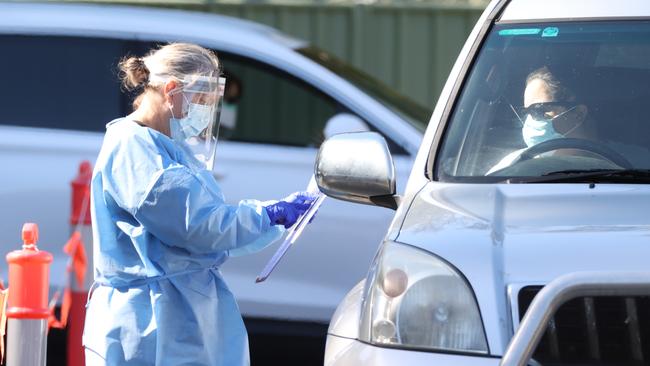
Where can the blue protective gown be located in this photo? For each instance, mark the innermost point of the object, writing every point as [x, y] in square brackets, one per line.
[161, 230]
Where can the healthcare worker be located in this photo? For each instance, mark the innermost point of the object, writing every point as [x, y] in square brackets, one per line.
[162, 227]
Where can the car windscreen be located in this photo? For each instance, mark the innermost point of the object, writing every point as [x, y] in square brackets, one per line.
[416, 114]
[552, 102]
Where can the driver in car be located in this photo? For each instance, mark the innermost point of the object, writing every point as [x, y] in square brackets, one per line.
[550, 112]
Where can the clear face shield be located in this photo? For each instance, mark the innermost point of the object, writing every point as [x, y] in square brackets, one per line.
[198, 129]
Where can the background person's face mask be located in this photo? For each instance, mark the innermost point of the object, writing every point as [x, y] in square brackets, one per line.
[228, 115]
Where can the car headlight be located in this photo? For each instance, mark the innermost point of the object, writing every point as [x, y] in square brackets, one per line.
[413, 299]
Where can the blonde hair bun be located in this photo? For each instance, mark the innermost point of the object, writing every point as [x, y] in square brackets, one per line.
[133, 72]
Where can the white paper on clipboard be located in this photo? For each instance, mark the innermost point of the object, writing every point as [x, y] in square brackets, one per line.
[294, 232]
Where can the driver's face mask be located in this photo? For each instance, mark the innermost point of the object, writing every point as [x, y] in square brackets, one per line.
[538, 130]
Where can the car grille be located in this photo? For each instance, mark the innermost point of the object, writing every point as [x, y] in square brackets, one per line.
[604, 330]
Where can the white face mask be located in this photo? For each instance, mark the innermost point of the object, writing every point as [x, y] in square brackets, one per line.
[199, 116]
[538, 131]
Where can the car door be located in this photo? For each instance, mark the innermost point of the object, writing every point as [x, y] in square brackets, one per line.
[59, 93]
[273, 125]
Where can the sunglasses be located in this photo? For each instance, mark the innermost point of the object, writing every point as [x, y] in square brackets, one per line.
[543, 110]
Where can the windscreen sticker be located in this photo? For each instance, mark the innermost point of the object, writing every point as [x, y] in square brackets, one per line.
[519, 32]
[550, 32]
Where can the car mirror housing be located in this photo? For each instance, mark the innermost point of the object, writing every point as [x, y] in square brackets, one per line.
[357, 167]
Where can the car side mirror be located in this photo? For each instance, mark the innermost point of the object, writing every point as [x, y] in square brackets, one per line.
[357, 167]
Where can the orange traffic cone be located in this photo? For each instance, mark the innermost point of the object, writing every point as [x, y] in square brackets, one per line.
[29, 282]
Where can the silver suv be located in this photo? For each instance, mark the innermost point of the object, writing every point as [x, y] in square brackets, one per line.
[523, 235]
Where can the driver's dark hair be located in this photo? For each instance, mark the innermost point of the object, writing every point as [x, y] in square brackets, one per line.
[558, 91]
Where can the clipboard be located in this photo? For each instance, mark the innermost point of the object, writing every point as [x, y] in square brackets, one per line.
[294, 233]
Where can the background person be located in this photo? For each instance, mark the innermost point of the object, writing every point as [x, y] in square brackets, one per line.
[162, 227]
[231, 97]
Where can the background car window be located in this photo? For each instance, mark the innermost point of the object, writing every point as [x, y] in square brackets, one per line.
[265, 105]
[62, 82]
[412, 112]
[71, 83]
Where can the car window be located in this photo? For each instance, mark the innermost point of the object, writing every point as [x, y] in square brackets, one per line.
[266, 105]
[411, 111]
[71, 83]
[61, 82]
[549, 98]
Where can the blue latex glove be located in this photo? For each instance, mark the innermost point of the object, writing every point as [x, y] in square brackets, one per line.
[287, 211]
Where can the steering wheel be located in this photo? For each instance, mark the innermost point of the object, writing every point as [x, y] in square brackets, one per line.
[577, 144]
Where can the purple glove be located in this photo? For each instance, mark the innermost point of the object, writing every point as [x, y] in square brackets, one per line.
[302, 197]
[287, 211]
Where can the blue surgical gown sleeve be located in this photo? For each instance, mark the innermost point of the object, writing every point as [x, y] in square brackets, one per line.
[181, 204]
[199, 220]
